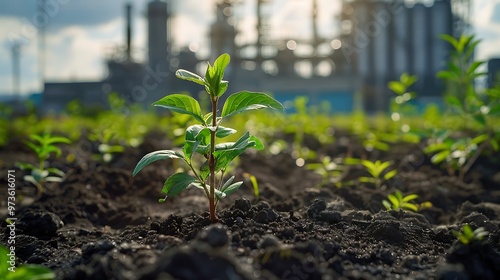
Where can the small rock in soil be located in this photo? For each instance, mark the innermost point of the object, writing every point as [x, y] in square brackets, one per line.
[171, 226]
[242, 204]
[265, 216]
[215, 235]
[268, 241]
[387, 230]
[451, 271]
[315, 208]
[39, 223]
[476, 220]
[194, 262]
[329, 216]
[99, 247]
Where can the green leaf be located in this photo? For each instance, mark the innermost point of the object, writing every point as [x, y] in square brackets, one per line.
[227, 183]
[446, 75]
[440, 157]
[196, 136]
[394, 200]
[31, 272]
[450, 39]
[189, 76]
[258, 143]
[176, 183]
[154, 156]
[387, 204]
[409, 206]
[25, 166]
[397, 87]
[57, 139]
[479, 139]
[224, 157]
[224, 132]
[436, 147]
[352, 161]
[473, 66]
[390, 174]
[222, 88]
[494, 144]
[245, 100]
[453, 101]
[232, 188]
[182, 104]
[410, 197]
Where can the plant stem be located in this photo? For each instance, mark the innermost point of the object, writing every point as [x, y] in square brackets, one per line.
[465, 169]
[211, 160]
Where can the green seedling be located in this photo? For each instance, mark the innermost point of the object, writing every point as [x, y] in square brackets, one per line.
[458, 154]
[468, 236]
[460, 75]
[106, 148]
[401, 88]
[255, 184]
[201, 138]
[9, 270]
[43, 145]
[329, 170]
[397, 201]
[378, 171]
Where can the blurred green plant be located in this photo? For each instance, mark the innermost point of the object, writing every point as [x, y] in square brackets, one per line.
[379, 171]
[468, 236]
[329, 170]
[457, 154]
[397, 201]
[43, 146]
[22, 272]
[106, 137]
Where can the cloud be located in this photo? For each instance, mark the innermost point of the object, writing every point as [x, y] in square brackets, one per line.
[64, 13]
[496, 14]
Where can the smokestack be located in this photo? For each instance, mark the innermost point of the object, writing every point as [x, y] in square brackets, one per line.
[129, 29]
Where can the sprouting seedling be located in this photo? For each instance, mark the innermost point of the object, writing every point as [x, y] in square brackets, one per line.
[201, 138]
[329, 170]
[467, 235]
[397, 201]
[43, 145]
[255, 184]
[458, 154]
[403, 95]
[106, 148]
[378, 170]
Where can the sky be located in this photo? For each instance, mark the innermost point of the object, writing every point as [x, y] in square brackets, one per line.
[79, 33]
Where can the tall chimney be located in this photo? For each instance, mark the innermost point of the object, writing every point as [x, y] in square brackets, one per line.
[129, 29]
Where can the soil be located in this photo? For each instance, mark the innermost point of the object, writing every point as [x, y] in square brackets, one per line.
[101, 223]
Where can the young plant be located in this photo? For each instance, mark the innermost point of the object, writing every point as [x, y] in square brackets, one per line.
[378, 170]
[201, 138]
[460, 75]
[458, 154]
[329, 170]
[106, 148]
[43, 145]
[399, 104]
[467, 236]
[9, 271]
[397, 201]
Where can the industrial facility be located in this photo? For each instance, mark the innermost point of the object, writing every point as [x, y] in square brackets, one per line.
[379, 40]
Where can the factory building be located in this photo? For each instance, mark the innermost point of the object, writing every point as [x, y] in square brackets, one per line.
[379, 40]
